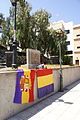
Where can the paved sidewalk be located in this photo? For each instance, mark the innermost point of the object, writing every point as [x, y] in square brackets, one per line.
[61, 106]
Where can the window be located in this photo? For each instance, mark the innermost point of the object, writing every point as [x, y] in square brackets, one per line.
[78, 35]
[77, 62]
[67, 42]
[78, 47]
[67, 31]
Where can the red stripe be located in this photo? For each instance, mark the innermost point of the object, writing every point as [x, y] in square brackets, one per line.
[44, 72]
[31, 91]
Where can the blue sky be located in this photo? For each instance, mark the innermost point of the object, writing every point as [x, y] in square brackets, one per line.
[67, 10]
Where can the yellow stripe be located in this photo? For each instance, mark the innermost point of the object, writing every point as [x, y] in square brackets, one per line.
[45, 80]
[25, 97]
[27, 72]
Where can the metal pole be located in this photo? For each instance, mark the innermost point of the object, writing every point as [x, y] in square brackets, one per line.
[60, 61]
[14, 41]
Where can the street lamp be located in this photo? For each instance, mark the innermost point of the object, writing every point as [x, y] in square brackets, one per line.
[60, 60]
[14, 60]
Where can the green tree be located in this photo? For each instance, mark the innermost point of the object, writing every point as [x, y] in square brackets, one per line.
[32, 30]
[44, 39]
[2, 24]
[57, 37]
[2, 19]
[23, 24]
[6, 30]
[41, 23]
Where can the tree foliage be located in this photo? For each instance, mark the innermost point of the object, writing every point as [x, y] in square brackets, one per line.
[23, 24]
[32, 30]
[41, 23]
[1, 19]
[57, 37]
[3, 26]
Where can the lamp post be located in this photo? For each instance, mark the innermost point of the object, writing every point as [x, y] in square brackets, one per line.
[60, 61]
[14, 60]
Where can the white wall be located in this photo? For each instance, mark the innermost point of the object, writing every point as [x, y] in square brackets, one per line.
[7, 89]
[70, 75]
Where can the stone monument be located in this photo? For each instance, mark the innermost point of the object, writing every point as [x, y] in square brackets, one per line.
[32, 58]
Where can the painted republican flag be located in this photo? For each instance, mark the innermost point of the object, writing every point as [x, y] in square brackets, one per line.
[24, 92]
[45, 82]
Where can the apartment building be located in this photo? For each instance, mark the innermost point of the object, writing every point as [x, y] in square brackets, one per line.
[57, 25]
[76, 51]
[66, 27]
[73, 37]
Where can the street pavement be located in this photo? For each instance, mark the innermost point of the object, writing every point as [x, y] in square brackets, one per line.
[60, 106]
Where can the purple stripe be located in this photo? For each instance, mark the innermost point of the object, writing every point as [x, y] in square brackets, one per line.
[18, 76]
[45, 90]
[18, 93]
